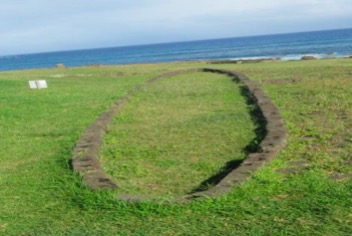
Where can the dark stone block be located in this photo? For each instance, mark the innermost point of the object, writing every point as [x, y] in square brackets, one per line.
[60, 66]
[84, 164]
[308, 58]
[98, 180]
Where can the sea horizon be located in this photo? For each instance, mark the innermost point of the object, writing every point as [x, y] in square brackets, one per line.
[171, 42]
[334, 43]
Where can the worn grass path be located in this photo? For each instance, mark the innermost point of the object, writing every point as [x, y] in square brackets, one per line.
[39, 195]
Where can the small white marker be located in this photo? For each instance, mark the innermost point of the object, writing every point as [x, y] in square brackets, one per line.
[32, 84]
[41, 84]
[37, 84]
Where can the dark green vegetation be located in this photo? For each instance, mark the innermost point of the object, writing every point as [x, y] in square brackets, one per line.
[39, 195]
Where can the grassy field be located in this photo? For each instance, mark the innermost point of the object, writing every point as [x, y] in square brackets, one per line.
[39, 194]
[177, 133]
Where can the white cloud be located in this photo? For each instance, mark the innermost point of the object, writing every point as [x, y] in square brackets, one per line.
[42, 25]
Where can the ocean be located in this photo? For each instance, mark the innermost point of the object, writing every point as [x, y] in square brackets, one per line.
[320, 44]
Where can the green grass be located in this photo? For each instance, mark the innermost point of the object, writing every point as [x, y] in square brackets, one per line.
[39, 195]
[177, 133]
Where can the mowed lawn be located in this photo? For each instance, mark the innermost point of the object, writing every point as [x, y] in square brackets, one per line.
[177, 133]
[39, 194]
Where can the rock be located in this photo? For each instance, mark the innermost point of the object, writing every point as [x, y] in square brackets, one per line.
[60, 65]
[308, 58]
[97, 180]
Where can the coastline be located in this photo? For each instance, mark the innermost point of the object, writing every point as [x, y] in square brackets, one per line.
[285, 47]
[218, 61]
[271, 59]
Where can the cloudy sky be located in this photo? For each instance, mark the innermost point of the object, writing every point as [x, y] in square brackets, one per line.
[29, 26]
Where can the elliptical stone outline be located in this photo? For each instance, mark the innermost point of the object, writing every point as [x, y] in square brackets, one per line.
[85, 153]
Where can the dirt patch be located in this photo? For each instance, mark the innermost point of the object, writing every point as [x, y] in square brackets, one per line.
[114, 74]
[340, 177]
[294, 167]
[281, 81]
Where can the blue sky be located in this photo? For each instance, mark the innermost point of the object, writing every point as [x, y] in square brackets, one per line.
[29, 26]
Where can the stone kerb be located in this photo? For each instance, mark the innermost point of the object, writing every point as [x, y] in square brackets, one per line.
[273, 142]
[85, 153]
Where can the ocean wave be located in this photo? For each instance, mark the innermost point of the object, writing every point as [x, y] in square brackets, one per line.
[9, 57]
[315, 55]
[291, 57]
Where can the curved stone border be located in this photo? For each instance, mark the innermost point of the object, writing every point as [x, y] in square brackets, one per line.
[86, 150]
[85, 153]
[273, 142]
